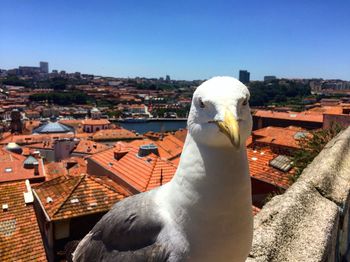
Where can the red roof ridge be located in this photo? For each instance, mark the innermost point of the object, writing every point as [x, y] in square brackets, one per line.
[68, 195]
[94, 178]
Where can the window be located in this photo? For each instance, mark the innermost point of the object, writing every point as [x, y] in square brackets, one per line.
[8, 170]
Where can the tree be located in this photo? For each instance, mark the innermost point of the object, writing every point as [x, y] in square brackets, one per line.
[310, 146]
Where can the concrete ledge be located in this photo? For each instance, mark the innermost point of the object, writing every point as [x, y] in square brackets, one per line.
[310, 221]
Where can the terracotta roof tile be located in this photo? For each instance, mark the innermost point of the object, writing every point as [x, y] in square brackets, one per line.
[141, 173]
[338, 110]
[31, 139]
[283, 136]
[115, 134]
[72, 196]
[89, 147]
[12, 168]
[260, 169]
[93, 122]
[297, 116]
[83, 147]
[74, 166]
[169, 146]
[181, 134]
[20, 238]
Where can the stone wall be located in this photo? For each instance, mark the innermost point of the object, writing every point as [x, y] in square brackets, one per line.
[310, 221]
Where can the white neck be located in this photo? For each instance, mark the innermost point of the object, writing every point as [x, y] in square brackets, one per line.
[210, 188]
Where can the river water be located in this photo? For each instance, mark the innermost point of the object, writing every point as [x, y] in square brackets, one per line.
[153, 125]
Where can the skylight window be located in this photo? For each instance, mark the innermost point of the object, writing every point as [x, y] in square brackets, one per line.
[74, 200]
[300, 135]
[8, 170]
[282, 163]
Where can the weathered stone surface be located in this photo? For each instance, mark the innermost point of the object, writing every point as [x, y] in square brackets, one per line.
[310, 221]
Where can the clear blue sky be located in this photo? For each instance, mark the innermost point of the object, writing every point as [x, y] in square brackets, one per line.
[183, 38]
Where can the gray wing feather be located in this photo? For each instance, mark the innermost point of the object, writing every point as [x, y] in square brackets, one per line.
[128, 232]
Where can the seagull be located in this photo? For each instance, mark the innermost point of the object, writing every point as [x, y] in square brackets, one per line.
[204, 213]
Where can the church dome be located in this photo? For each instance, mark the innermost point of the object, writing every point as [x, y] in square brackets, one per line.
[53, 127]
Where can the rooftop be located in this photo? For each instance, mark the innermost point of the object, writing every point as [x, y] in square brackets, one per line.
[12, 167]
[282, 136]
[141, 173]
[53, 127]
[95, 122]
[74, 166]
[169, 147]
[295, 116]
[20, 238]
[260, 168]
[72, 196]
[114, 134]
[83, 147]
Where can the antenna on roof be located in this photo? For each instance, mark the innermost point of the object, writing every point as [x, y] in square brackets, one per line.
[161, 176]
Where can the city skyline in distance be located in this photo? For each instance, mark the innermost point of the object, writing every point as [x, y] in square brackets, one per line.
[195, 40]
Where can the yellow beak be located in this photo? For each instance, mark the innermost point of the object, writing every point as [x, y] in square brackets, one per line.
[229, 126]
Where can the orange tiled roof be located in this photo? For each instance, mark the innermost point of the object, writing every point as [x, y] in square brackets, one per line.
[55, 169]
[71, 122]
[74, 166]
[181, 134]
[89, 147]
[72, 196]
[297, 116]
[169, 146]
[114, 134]
[20, 238]
[260, 169]
[338, 110]
[172, 145]
[93, 122]
[12, 168]
[31, 139]
[141, 173]
[84, 146]
[283, 136]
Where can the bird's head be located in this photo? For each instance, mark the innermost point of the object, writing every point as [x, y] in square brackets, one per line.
[220, 114]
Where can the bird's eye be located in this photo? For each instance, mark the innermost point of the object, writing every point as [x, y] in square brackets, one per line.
[245, 102]
[201, 104]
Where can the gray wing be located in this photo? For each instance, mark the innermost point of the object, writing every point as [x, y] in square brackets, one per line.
[128, 232]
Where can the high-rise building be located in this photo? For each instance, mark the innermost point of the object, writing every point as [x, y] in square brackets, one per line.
[244, 76]
[44, 67]
[269, 78]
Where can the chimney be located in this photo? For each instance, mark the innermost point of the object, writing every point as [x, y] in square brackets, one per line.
[36, 169]
[145, 150]
[119, 154]
[28, 196]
